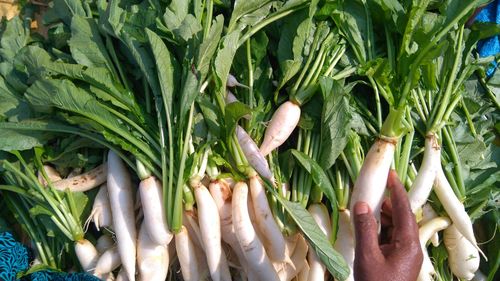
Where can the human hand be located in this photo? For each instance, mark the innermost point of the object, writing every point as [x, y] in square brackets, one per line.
[401, 258]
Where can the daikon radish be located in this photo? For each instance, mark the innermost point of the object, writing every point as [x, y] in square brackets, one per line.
[187, 256]
[253, 155]
[52, 173]
[253, 250]
[281, 126]
[152, 258]
[87, 254]
[153, 208]
[209, 222]
[101, 210]
[372, 180]
[426, 231]
[273, 239]
[108, 261]
[463, 257]
[104, 242]
[122, 209]
[85, 181]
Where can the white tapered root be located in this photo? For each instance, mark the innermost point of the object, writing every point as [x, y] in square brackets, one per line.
[253, 155]
[422, 185]
[87, 254]
[454, 208]
[425, 233]
[372, 180]
[273, 239]
[104, 242]
[463, 257]
[101, 210]
[108, 261]
[345, 240]
[122, 209]
[52, 174]
[209, 223]
[85, 181]
[153, 209]
[187, 256]
[252, 247]
[281, 126]
[152, 259]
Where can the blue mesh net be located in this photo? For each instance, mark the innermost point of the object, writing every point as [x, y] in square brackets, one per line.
[14, 259]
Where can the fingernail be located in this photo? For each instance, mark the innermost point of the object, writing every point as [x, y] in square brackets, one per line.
[361, 208]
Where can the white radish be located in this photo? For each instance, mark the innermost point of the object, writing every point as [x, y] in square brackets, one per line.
[281, 126]
[152, 258]
[122, 209]
[253, 155]
[454, 208]
[87, 254]
[101, 210]
[345, 241]
[426, 232]
[187, 256]
[209, 222]
[193, 229]
[463, 257]
[298, 261]
[75, 172]
[153, 208]
[428, 214]
[109, 277]
[85, 181]
[104, 242]
[322, 218]
[273, 239]
[304, 273]
[221, 193]
[232, 82]
[52, 174]
[122, 275]
[230, 97]
[372, 180]
[422, 185]
[253, 250]
[108, 261]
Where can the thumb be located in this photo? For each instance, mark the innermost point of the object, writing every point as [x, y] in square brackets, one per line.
[366, 231]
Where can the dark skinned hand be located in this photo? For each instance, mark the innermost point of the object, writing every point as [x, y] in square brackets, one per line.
[400, 257]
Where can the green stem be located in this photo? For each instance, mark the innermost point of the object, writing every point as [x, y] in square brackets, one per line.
[208, 19]
[377, 102]
[437, 122]
[310, 58]
[425, 50]
[139, 129]
[402, 168]
[250, 74]
[490, 93]
[469, 119]
[272, 18]
[346, 72]
[177, 208]
[453, 152]
[338, 52]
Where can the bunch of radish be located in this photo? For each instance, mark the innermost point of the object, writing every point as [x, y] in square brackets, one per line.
[203, 177]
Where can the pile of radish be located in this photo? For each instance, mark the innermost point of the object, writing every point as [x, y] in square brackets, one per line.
[230, 140]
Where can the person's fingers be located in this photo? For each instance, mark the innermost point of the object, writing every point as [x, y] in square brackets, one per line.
[366, 231]
[385, 220]
[387, 207]
[402, 216]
